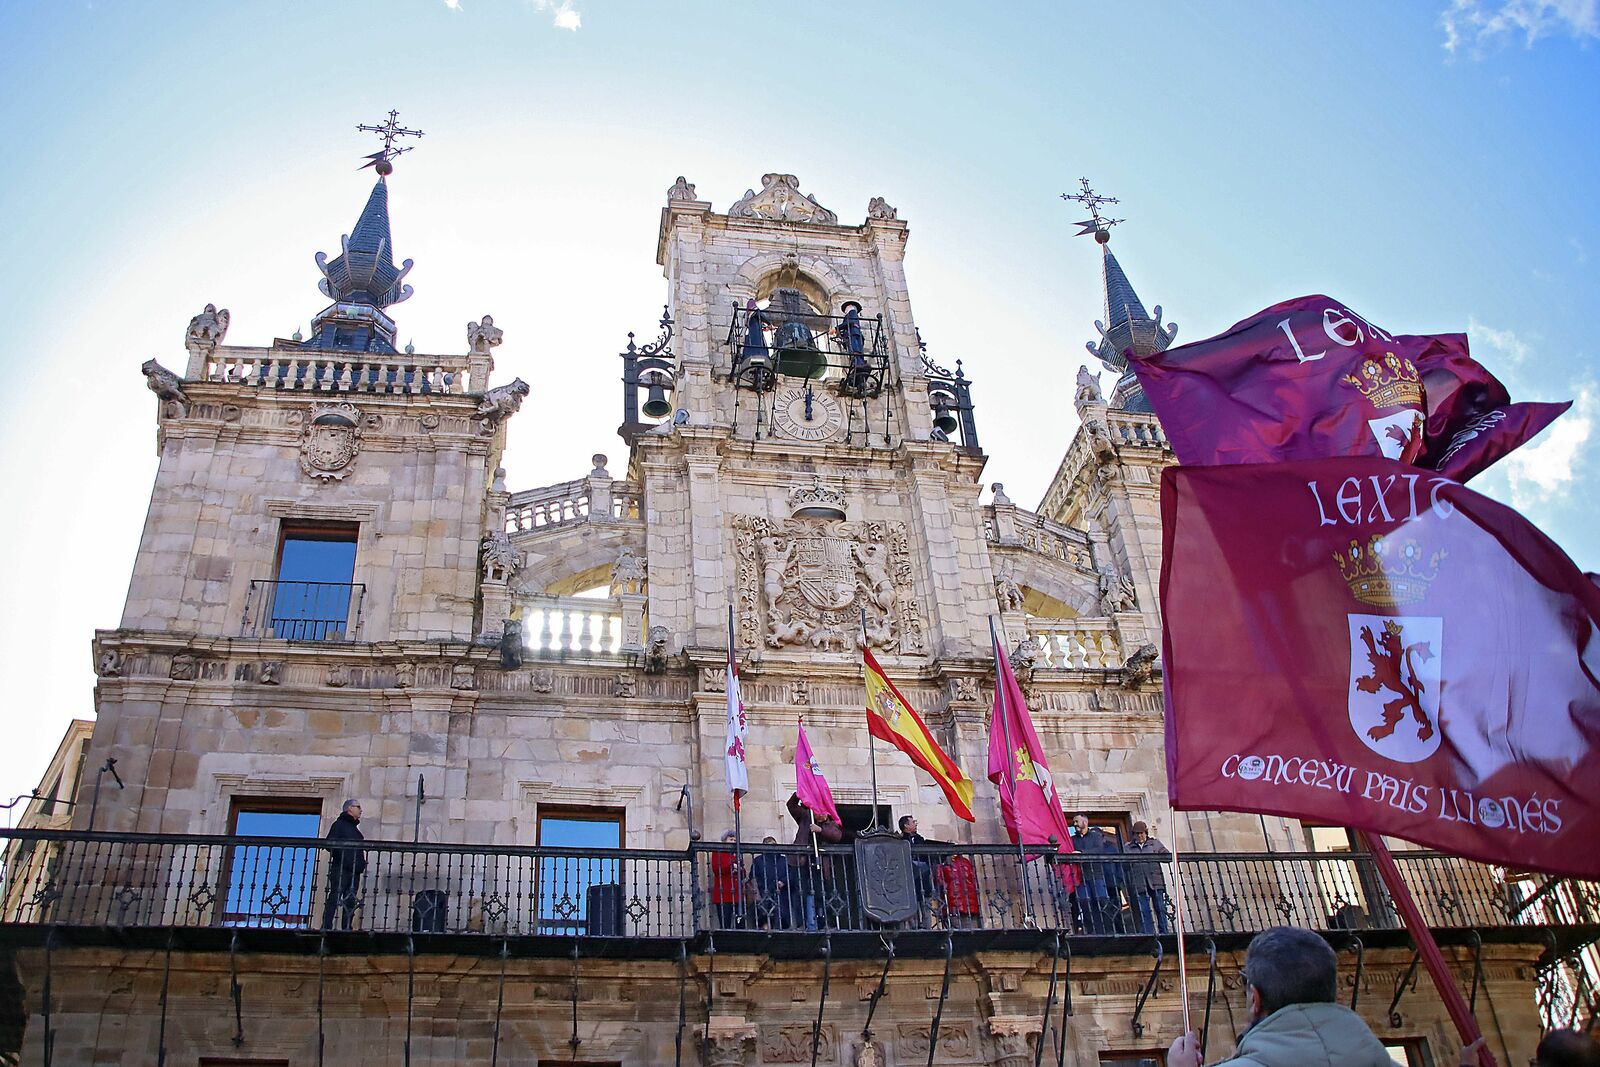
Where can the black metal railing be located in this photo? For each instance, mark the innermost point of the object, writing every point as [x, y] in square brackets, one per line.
[113, 880]
[303, 611]
[854, 352]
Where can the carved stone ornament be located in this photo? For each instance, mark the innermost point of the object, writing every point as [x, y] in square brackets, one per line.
[681, 190]
[1088, 387]
[655, 653]
[625, 686]
[501, 560]
[804, 583]
[725, 1045]
[338, 676]
[1007, 593]
[1013, 1035]
[965, 691]
[1101, 446]
[800, 692]
[330, 441]
[714, 679]
[207, 329]
[817, 497]
[628, 573]
[501, 402]
[955, 1040]
[108, 663]
[270, 670]
[1117, 592]
[163, 383]
[462, 676]
[791, 1043]
[878, 208]
[781, 200]
[185, 668]
[405, 675]
[483, 336]
[868, 1054]
[1140, 667]
[1000, 498]
[542, 680]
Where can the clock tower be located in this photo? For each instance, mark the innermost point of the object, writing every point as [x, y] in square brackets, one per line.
[785, 425]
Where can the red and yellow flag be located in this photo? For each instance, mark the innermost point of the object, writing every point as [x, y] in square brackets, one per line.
[891, 718]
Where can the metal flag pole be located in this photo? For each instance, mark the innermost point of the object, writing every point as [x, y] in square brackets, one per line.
[872, 741]
[1011, 769]
[1177, 917]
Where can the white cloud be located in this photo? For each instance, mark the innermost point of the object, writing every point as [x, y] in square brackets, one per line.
[565, 17]
[1478, 24]
[1510, 352]
[1536, 474]
[453, 5]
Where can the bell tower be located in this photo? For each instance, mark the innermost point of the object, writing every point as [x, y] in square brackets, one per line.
[790, 390]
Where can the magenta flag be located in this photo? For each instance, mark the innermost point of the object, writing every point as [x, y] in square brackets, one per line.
[1029, 803]
[1310, 378]
[808, 779]
[1358, 641]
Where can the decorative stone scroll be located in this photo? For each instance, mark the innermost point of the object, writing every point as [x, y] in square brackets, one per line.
[780, 199]
[804, 583]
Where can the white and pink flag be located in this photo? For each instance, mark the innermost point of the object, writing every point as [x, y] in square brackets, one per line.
[738, 773]
[808, 779]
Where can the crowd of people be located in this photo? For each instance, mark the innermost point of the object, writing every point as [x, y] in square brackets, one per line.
[801, 888]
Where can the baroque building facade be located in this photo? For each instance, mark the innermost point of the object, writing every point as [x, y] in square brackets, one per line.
[336, 595]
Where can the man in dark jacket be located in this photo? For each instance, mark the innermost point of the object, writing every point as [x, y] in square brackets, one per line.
[811, 881]
[1291, 984]
[346, 861]
[1098, 894]
[1147, 883]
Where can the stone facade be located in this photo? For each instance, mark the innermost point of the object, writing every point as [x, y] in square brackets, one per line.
[471, 665]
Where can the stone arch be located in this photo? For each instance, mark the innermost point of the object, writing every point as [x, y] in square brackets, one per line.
[832, 289]
[558, 559]
[1049, 584]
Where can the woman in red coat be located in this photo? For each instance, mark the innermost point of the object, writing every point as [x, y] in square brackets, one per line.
[727, 886]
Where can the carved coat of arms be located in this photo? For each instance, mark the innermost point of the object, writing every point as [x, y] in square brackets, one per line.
[806, 583]
[331, 441]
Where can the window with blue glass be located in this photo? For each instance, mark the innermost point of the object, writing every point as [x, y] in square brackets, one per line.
[578, 893]
[313, 598]
[270, 885]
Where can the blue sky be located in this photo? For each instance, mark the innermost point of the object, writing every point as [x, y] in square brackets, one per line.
[1431, 164]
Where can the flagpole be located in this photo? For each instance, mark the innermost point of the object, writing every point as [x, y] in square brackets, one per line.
[1011, 769]
[1177, 915]
[738, 834]
[872, 741]
[1443, 981]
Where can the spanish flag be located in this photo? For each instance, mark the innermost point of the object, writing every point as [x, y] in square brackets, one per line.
[891, 718]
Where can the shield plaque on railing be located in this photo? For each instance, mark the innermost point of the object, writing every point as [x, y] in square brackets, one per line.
[884, 872]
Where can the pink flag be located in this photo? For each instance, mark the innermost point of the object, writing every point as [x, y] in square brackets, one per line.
[738, 773]
[808, 779]
[1029, 804]
[1361, 642]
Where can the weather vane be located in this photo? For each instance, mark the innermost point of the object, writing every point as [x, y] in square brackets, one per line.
[389, 130]
[1095, 223]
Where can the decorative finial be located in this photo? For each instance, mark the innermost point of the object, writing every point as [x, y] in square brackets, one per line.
[297, 336]
[1095, 224]
[411, 349]
[380, 160]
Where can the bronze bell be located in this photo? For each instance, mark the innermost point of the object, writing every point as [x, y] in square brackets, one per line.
[655, 402]
[943, 419]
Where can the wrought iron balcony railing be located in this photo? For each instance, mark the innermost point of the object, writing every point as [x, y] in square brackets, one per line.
[303, 611]
[171, 882]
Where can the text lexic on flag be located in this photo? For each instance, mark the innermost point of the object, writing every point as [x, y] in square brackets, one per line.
[1309, 378]
[891, 718]
[1356, 640]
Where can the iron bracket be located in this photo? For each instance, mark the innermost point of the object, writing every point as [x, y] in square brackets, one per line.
[1360, 950]
[499, 1003]
[944, 993]
[1476, 941]
[166, 979]
[236, 990]
[574, 1041]
[877, 994]
[1049, 1002]
[1400, 989]
[816, 1027]
[1149, 987]
[1211, 992]
[683, 1007]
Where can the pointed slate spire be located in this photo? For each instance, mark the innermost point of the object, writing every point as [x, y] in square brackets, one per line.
[1127, 327]
[364, 272]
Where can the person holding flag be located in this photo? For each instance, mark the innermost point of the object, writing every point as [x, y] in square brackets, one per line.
[1029, 804]
[817, 822]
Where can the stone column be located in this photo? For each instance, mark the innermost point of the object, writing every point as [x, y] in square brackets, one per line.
[729, 1042]
[1014, 1037]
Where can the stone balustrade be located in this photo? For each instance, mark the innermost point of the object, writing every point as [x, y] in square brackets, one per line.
[569, 503]
[572, 625]
[336, 372]
[1007, 524]
[1076, 644]
[1136, 428]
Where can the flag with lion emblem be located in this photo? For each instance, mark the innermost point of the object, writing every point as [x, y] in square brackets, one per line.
[1359, 641]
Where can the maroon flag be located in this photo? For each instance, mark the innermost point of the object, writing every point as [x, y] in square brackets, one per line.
[1310, 378]
[1362, 642]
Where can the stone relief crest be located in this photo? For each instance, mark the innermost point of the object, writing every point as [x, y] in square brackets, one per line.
[805, 583]
[780, 198]
[330, 441]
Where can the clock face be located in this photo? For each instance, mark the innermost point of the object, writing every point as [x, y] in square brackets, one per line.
[789, 414]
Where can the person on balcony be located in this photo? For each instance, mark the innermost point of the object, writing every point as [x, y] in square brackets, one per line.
[346, 862]
[1291, 984]
[1147, 883]
[1098, 893]
[921, 869]
[769, 873]
[808, 877]
[849, 336]
[727, 886]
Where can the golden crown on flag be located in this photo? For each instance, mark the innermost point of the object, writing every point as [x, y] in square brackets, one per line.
[1393, 383]
[1379, 576]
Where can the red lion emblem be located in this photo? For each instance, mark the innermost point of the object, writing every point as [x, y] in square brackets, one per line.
[1387, 665]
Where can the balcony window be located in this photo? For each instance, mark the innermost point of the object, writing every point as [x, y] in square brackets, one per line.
[311, 598]
[1408, 1051]
[270, 885]
[580, 894]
